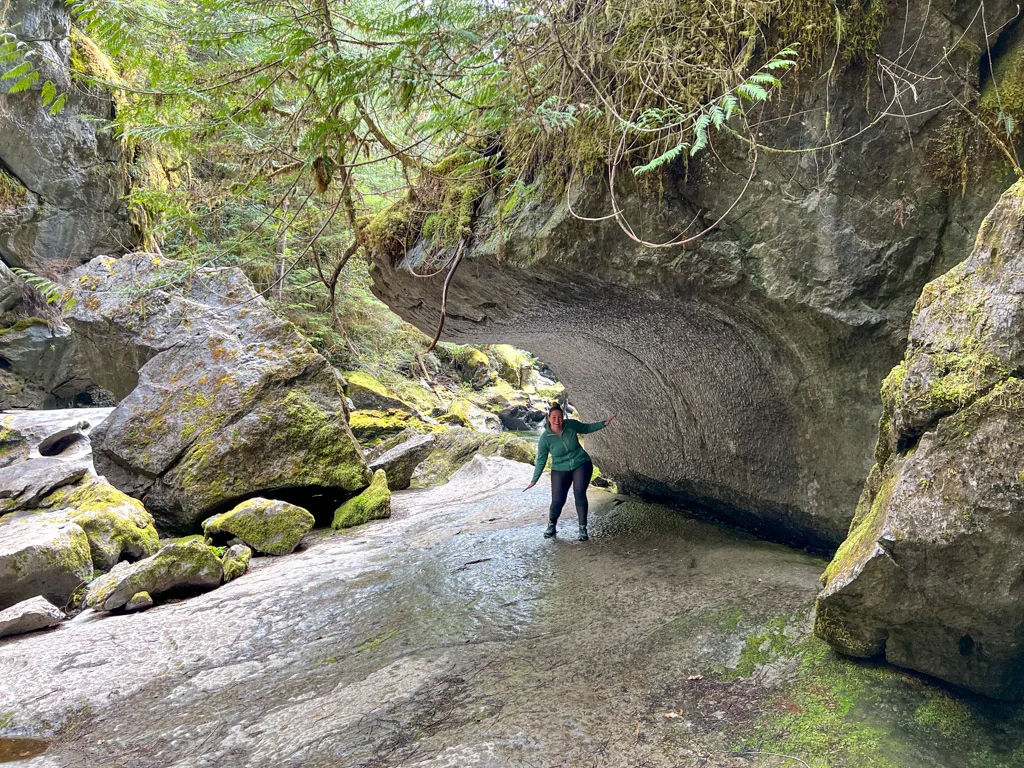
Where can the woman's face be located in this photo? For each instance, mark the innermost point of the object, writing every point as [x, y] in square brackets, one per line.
[555, 419]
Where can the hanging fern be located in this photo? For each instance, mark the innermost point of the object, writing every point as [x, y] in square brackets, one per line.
[49, 290]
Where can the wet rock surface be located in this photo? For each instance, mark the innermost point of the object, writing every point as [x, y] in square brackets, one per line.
[745, 367]
[454, 635]
[929, 577]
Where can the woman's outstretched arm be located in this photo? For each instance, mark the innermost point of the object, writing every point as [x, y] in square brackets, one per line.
[594, 426]
[542, 459]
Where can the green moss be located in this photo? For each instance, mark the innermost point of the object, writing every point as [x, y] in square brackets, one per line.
[1003, 93]
[460, 413]
[88, 59]
[372, 426]
[113, 522]
[12, 193]
[235, 563]
[271, 527]
[24, 323]
[372, 504]
[510, 363]
[761, 648]
[864, 532]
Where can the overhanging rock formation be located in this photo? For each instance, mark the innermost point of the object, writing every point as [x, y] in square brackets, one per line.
[745, 371]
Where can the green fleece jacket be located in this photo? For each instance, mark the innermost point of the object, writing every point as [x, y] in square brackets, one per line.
[565, 449]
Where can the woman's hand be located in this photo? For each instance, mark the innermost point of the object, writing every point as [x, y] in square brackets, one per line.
[528, 487]
[609, 420]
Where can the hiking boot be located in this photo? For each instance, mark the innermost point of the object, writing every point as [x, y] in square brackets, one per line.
[549, 531]
[583, 533]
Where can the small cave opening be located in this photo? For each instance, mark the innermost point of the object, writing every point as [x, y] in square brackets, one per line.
[57, 445]
[966, 645]
[319, 501]
[5, 364]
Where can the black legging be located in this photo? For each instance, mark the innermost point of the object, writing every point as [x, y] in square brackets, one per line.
[579, 479]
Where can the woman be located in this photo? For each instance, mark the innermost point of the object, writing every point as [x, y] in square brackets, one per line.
[570, 465]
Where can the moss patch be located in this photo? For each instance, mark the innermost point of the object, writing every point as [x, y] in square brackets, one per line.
[12, 193]
[372, 504]
[372, 426]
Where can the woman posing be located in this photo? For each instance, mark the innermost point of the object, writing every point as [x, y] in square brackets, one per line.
[570, 465]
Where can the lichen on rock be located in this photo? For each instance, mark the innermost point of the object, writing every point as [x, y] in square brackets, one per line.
[928, 574]
[373, 503]
[267, 525]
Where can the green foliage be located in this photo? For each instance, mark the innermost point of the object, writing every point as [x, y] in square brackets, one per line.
[51, 292]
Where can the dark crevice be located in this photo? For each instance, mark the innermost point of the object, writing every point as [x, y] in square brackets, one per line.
[320, 501]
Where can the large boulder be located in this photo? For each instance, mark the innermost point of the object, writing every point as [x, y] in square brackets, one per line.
[268, 526]
[221, 399]
[63, 176]
[744, 367]
[185, 566]
[28, 616]
[930, 574]
[42, 559]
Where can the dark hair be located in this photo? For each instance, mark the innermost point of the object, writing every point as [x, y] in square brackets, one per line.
[555, 407]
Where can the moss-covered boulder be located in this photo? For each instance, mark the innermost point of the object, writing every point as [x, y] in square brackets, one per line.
[235, 561]
[930, 574]
[38, 558]
[176, 567]
[221, 399]
[372, 504]
[267, 525]
[373, 426]
[118, 527]
[456, 446]
[474, 367]
[463, 413]
[367, 393]
[140, 601]
[512, 365]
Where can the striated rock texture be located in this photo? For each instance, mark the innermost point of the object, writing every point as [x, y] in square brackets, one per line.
[221, 400]
[745, 368]
[62, 176]
[931, 575]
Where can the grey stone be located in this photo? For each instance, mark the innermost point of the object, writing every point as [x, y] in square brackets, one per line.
[70, 165]
[400, 461]
[458, 445]
[190, 566]
[221, 399]
[28, 616]
[745, 368]
[42, 559]
[11, 288]
[929, 575]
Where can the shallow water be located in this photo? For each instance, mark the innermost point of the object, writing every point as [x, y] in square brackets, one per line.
[453, 635]
[19, 750]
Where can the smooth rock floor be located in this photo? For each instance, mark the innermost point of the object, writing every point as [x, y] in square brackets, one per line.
[453, 634]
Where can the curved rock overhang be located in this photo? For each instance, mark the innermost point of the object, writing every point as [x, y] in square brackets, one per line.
[745, 370]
